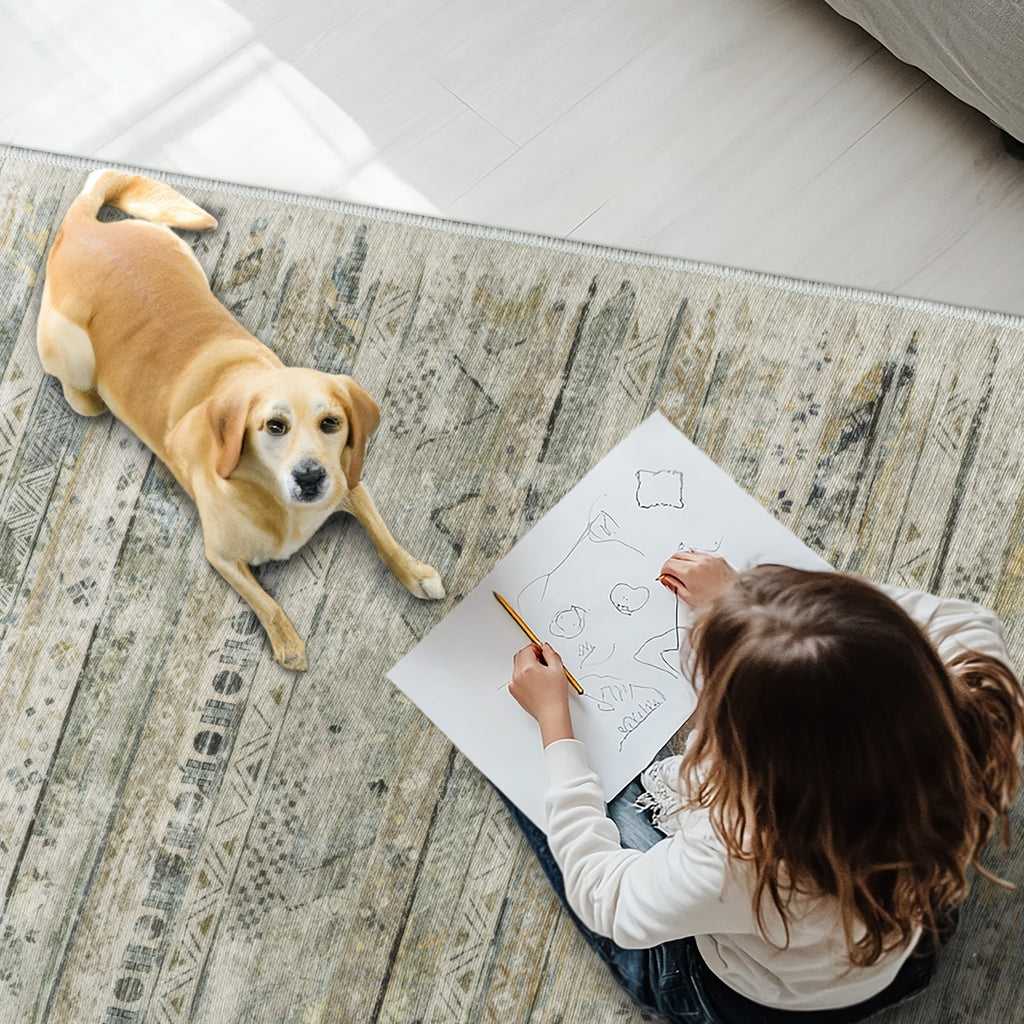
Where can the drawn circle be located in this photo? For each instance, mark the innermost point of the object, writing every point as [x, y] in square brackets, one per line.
[569, 623]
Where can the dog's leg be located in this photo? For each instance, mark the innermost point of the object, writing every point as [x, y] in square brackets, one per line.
[85, 403]
[420, 579]
[66, 352]
[288, 647]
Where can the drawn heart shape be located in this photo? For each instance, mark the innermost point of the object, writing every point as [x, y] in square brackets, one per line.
[627, 599]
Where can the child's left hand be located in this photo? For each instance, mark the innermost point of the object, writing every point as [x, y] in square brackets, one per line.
[540, 687]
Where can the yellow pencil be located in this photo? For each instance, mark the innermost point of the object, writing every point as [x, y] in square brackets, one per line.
[526, 629]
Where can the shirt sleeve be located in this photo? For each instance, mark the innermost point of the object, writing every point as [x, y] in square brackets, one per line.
[952, 625]
[675, 889]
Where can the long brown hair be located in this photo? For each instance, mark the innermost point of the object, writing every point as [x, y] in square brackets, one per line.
[840, 756]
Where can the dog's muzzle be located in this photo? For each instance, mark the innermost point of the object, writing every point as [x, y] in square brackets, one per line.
[309, 480]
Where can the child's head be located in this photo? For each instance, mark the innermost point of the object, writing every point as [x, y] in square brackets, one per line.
[834, 742]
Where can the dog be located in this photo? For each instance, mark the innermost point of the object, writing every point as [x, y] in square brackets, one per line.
[128, 323]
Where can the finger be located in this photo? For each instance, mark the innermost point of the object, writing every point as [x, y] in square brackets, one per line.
[525, 657]
[672, 583]
[550, 655]
[679, 569]
[674, 564]
[682, 560]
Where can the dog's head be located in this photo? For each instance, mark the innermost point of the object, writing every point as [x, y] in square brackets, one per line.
[306, 429]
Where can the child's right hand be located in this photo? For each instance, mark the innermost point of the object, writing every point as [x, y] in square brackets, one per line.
[697, 577]
[540, 687]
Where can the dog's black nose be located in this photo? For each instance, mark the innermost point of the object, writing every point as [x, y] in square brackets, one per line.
[308, 475]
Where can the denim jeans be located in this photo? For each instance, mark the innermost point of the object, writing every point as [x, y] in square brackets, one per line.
[672, 981]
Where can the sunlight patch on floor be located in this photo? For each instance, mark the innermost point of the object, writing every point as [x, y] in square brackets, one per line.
[202, 96]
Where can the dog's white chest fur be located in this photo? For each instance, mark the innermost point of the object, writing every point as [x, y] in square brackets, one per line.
[302, 524]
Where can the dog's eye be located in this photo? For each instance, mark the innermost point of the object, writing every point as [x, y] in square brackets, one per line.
[276, 427]
[330, 425]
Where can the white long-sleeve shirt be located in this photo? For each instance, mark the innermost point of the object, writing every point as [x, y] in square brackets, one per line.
[688, 885]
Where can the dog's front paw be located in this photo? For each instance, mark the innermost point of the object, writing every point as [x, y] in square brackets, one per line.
[294, 661]
[291, 655]
[428, 586]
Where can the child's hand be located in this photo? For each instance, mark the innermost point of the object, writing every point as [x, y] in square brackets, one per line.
[697, 577]
[540, 687]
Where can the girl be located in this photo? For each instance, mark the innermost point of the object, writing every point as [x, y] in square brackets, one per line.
[854, 749]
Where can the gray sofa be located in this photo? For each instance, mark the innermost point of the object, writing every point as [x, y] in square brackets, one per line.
[973, 48]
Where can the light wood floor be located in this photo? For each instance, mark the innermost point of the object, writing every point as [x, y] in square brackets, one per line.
[768, 135]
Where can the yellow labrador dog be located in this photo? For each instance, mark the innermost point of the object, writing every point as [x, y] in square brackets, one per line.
[267, 452]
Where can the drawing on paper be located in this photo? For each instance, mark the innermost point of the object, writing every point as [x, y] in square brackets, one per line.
[584, 578]
[661, 652]
[601, 528]
[627, 599]
[659, 488]
[633, 702]
[711, 549]
[586, 649]
[568, 623]
[627, 645]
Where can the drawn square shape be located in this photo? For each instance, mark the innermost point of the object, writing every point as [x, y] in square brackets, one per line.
[659, 488]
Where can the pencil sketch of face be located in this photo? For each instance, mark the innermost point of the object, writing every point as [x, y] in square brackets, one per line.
[569, 623]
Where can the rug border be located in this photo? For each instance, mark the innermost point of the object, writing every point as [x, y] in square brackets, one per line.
[631, 257]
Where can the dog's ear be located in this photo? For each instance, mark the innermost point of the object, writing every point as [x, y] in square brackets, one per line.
[228, 415]
[363, 417]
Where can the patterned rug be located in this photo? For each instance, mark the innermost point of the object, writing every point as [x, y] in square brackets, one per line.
[189, 832]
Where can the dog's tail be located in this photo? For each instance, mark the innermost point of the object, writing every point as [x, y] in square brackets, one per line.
[140, 197]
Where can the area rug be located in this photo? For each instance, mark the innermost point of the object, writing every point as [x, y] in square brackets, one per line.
[188, 832]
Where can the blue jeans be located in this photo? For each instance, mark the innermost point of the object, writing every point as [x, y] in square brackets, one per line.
[672, 981]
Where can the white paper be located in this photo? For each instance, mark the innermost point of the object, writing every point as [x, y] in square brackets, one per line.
[584, 579]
